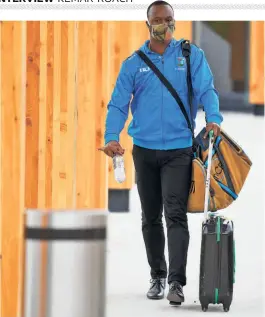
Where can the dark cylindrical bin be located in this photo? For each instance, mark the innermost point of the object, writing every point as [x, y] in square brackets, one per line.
[65, 263]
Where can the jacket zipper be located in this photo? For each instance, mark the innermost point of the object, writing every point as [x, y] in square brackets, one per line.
[162, 59]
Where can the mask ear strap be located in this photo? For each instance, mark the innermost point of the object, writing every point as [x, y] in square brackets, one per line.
[148, 26]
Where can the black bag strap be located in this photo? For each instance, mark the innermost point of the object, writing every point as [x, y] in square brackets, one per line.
[168, 86]
[186, 51]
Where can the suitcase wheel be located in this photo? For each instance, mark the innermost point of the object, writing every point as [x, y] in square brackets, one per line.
[204, 308]
[226, 309]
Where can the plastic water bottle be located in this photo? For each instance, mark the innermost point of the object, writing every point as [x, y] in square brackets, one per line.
[119, 169]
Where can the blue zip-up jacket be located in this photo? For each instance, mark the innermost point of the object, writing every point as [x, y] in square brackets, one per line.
[158, 122]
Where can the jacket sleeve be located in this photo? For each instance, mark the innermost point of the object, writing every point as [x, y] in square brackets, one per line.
[205, 92]
[118, 107]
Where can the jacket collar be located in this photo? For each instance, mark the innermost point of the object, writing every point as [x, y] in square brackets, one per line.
[172, 43]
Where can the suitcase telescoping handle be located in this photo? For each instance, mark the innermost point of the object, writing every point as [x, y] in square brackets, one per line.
[207, 184]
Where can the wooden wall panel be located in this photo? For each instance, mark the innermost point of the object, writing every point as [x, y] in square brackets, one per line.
[32, 114]
[68, 113]
[106, 92]
[86, 112]
[63, 115]
[56, 155]
[12, 119]
[48, 136]
[48, 132]
[101, 193]
[23, 78]
[256, 62]
[89, 130]
[56, 115]
[42, 172]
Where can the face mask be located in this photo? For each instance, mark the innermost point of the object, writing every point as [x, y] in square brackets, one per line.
[162, 32]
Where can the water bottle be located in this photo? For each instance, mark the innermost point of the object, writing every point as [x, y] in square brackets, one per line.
[119, 169]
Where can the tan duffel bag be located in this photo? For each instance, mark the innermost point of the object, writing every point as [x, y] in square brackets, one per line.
[229, 170]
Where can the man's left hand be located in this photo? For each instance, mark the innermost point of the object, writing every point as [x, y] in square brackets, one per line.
[212, 126]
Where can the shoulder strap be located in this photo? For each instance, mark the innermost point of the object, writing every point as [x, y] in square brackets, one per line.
[169, 86]
[186, 51]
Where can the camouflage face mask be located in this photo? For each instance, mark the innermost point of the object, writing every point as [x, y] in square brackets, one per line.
[162, 32]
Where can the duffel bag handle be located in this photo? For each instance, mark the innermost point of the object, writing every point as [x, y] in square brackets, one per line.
[208, 175]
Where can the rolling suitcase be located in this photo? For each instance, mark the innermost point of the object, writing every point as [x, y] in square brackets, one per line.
[217, 262]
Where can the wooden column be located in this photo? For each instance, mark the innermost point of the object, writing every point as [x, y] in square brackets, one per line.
[91, 164]
[256, 66]
[13, 49]
[51, 115]
[51, 126]
[63, 108]
[32, 114]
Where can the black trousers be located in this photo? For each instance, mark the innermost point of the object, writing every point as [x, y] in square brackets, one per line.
[163, 180]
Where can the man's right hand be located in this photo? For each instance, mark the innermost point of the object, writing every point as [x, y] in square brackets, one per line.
[112, 148]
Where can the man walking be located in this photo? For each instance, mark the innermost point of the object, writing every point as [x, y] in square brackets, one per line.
[162, 149]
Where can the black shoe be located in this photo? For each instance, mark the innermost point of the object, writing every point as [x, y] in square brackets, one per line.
[157, 288]
[175, 294]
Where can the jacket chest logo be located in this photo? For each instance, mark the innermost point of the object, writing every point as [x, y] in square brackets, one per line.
[144, 69]
[181, 61]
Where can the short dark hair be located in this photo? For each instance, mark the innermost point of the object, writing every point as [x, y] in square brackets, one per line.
[158, 3]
